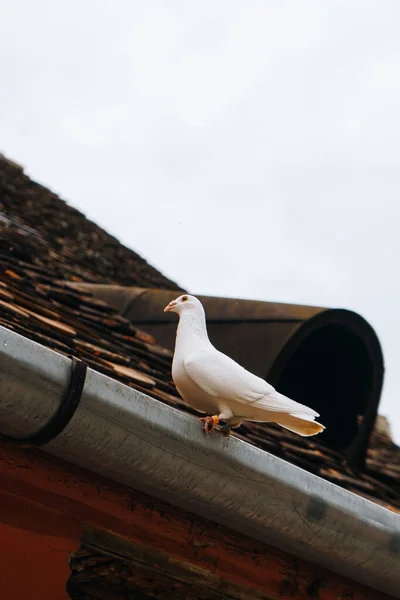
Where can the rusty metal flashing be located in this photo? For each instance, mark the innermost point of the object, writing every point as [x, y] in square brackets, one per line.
[137, 441]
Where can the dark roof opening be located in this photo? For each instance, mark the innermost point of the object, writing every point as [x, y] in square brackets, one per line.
[332, 372]
[334, 363]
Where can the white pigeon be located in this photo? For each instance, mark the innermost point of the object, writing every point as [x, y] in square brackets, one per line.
[214, 384]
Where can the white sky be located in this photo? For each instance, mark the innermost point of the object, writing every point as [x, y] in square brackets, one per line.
[245, 148]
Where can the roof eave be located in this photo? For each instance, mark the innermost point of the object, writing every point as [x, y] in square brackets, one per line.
[140, 442]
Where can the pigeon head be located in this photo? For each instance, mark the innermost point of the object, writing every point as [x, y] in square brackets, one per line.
[183, 303]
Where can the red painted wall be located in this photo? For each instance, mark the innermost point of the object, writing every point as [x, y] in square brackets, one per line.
[44, 504]
[35, 542]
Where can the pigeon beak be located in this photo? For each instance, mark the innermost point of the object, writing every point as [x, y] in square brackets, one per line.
[170, 306]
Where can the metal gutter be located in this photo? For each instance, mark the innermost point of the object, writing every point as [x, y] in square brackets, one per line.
[279, 342]
[140, 442]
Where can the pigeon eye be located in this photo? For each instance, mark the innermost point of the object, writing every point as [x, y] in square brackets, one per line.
[185, 298]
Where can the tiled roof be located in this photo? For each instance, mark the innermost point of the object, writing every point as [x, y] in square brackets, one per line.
[47, 233]
[42, 240]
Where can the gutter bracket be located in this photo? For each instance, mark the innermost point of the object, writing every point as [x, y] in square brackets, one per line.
[64, 413]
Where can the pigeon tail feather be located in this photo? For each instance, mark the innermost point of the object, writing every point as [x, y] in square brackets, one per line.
[302, 427]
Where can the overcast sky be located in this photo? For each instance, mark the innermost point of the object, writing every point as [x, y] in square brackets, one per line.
[245, 148]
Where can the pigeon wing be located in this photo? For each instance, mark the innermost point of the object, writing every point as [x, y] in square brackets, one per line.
[221, 377]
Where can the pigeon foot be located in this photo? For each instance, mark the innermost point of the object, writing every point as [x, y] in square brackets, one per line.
[209, 423]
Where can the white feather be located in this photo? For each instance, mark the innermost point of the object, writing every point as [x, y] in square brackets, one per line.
[212, 382]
